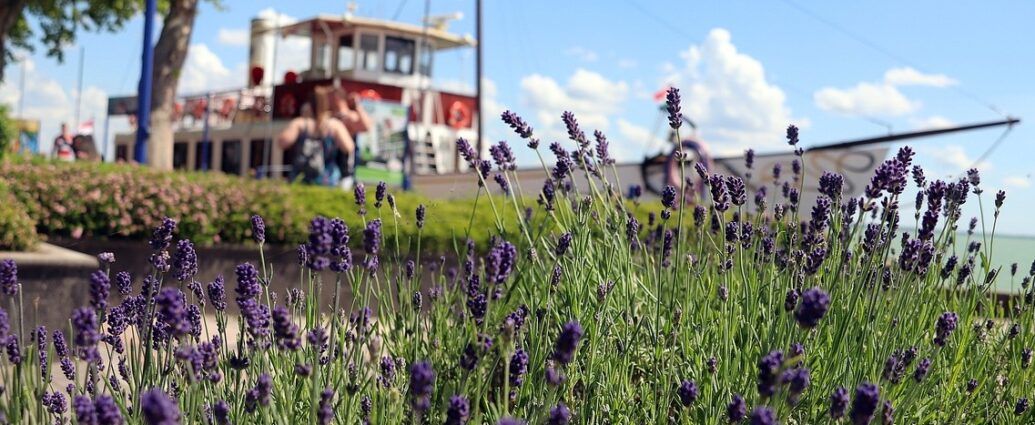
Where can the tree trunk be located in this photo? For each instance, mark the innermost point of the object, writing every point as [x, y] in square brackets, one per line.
[170, 54]
[10, 11]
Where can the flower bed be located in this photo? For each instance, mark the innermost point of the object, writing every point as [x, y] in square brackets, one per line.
[123, 201]
[587, 315]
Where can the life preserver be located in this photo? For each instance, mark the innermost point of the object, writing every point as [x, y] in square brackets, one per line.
[459, 115]
[370, 94]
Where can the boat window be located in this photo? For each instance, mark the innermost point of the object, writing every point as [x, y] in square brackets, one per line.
[368, 51]
[426, 53]
[257, 157]
[346, 54]
[322, 64]
[399, 55]
[231, 161]
[180, 155]
[199, 155]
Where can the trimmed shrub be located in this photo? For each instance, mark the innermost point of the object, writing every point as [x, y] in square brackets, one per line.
[17, 228]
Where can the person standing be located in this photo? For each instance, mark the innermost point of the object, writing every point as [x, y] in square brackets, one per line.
[348, 109]
[321, 140]
[63, 148]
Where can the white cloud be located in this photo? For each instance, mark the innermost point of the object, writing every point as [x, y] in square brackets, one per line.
[933, 122]
[954, 159]
[908, 76]
[50, 103]
[632, 135]
[627, 63]
[456, 86]
[583, 54]
[277, 17]
[492, 107]
[1017, 182]
[233, 37]
[727, 94]
[590, 96]
[203, 71]
[865, 99]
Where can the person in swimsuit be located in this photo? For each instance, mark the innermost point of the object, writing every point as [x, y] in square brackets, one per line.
[316, 122]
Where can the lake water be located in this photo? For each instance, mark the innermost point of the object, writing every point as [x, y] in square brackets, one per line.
[1006, 250]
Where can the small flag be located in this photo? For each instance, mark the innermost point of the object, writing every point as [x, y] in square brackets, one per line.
[85, 128]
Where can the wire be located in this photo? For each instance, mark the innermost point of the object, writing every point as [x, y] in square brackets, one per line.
[398, 11]
[995, 145]
[874, 46]
[658, 19]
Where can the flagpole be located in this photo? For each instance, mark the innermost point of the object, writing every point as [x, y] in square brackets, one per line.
[144, 89]
[79, 92]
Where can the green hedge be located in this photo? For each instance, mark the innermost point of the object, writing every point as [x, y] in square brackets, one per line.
[126, 201]
[17, 228]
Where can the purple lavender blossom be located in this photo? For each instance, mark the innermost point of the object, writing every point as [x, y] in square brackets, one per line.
[459, 410]
[258, 229]
[921, 370]
[359, 193]
[84, 321]
[737, 190]
[217, 293]
[517, 124]
[106, 258]
[763, 416]
[1026, 355]
[108, 412]
[221, 412]
[736, 411]
[507, 420]
[797, 381]
[603, 155]
[791, 299]
[768, 368]
[668, 197]
[9, 277]
[687, 392]
[420, 214]
[559, 415]
[372, 237]
[567, 342]
[185, 262]
[838, 403]
[814, 305]
[260, 394]
[867, 398]
[1021, 406]
[563, 243]
[518, 367]
[100, 287]
[574, 132]
[422, 382]
[379, 193]
[158, 408]
[162, 235]
[944, 326]
[325, 411]
[503, 156]
[172, 311]
[284, 330]
[888, 413]
[85, 412]
[124, 282]
[672, 101]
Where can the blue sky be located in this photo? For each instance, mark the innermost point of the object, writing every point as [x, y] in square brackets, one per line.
[747, 69]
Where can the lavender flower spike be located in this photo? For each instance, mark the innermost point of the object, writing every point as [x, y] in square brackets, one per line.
[158, 408]
[567, 342]
[675, 114]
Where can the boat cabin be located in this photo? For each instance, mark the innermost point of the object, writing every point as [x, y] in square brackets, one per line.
[389, 64]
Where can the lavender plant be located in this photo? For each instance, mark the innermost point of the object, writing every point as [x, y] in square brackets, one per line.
[576, 311]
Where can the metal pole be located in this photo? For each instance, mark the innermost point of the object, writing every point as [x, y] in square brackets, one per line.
[21, 92]
[205, 142]
[144, 89]
[478, 68]
[104, 150]
[79, 93]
